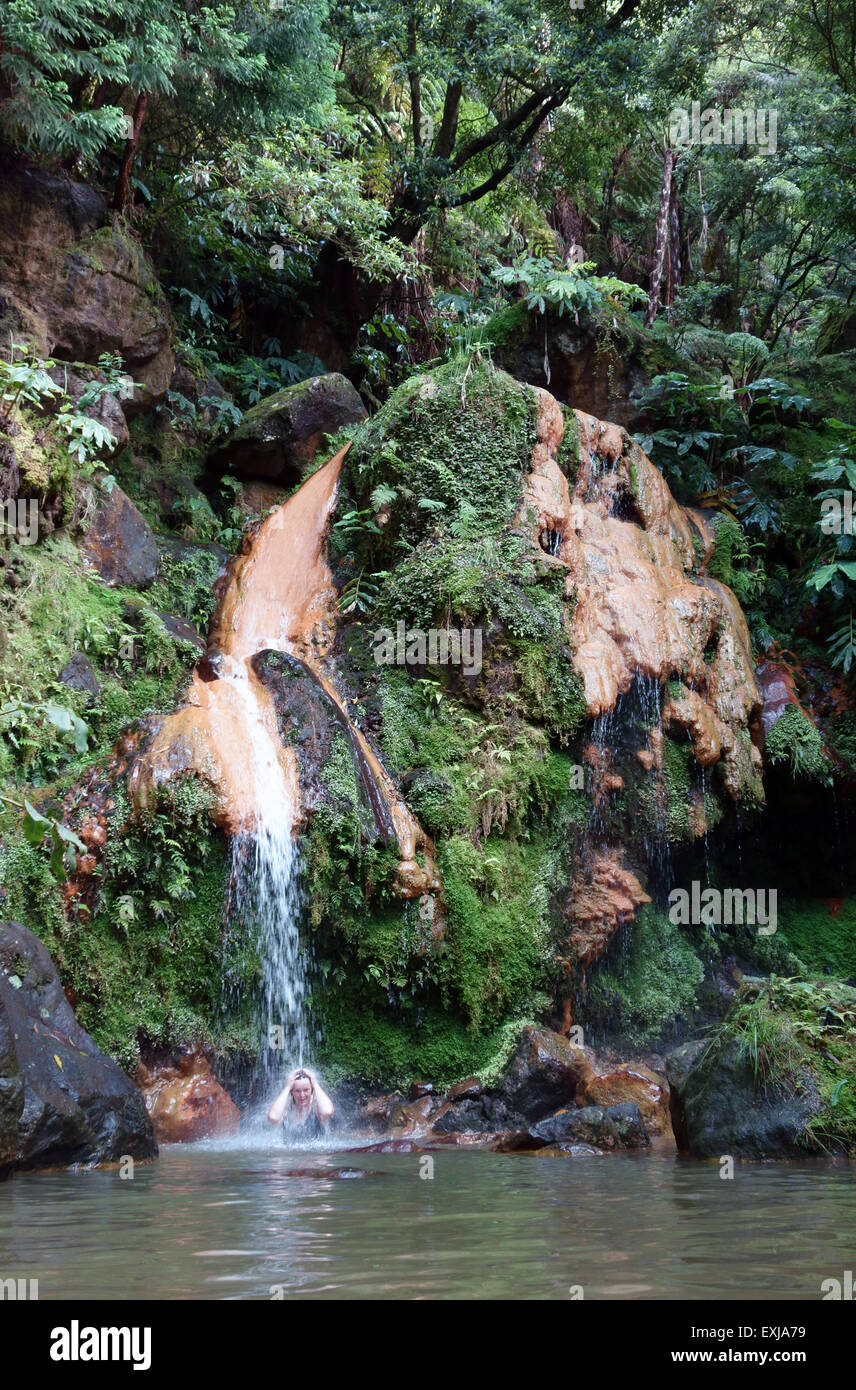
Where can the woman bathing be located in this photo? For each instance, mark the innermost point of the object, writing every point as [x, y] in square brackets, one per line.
[302, 1106]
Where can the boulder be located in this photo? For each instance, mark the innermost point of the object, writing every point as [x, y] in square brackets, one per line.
[563, 355]
[119, 543]
[486, 1114]
[718, 1108]
[374, 1111]
[185, 1100]
[176, 552]
[415, 1118]
[545, 1071]
[73, 1104]
[601, 1127]
[632, 1081]
[277, 439]
[11, 1098]
[76, 283]
[78, 674]
[181, 630]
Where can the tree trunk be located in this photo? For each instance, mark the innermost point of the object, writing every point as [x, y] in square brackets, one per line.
[123, 180]
[662, 237]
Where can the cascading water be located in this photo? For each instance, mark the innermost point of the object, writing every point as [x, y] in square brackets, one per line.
[265, 891]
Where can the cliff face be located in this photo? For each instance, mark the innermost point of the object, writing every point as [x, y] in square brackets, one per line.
[642, 605]
[609, 716]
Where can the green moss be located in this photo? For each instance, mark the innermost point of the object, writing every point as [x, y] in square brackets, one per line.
[675, 799]
[568, 456]
[509, 325]
[794, 740]
[362, 1040]
[454, 445]
[44, 463]
[822, 934]
[147, 964]
[60, 609]
[647, 982]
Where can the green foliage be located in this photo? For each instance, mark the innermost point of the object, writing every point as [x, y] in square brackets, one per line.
[60, 61]
[646, 984]
[26, 381]
[571, 289]
[731, 561]
[453, 443]
[146, 966]
[363, 1040]
[794, 740]
[58, 610]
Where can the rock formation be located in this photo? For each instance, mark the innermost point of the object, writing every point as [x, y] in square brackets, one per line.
[61, 1100]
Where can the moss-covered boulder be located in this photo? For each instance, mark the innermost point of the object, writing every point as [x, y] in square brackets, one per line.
[776, 1079]
[278, 438]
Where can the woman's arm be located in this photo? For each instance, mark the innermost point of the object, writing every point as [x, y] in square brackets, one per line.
[324, 1107]
[277, 1110]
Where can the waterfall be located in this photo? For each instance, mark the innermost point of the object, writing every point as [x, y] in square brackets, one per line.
[279, 596]
[265, 890]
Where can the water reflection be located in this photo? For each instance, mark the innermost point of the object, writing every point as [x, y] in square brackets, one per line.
[232, 1223]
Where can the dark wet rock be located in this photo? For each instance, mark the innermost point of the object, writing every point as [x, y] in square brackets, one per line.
[209, 665]
[11, 1097]
[486, 1114]
[632, 1081]
[603, 1127]
[181, 630]
[579, 373]
[778, 691]
[546, 1071]
[418, 1089]
[278, 438]
[75, 282]
[375, 1110]
[415, 1118]
[570, 1151]
[720, 1109]
[306, 715]
[79, 675]
[470, 1089]
[591, 1124]
[629, 1125]
[10, 474]
[77, 1105]
[119, 543]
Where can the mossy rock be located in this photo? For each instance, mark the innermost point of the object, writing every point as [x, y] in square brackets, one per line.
[777, 1078]
[279, 436]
